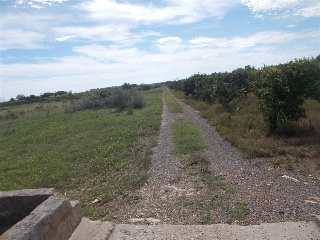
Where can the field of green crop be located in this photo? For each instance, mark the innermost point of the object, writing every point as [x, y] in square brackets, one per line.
[86, 155]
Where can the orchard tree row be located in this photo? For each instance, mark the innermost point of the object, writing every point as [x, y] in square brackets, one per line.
[281, 89]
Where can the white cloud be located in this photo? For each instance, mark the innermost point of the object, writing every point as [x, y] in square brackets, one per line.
[310, 11]
[174, 11]
[96, 33]
[38, 30]
[64, 38]
[120, 34]
[169, 39]
[21, 39]
[111, 54]
[26, 21]
[265, 37]
[306, 8]
[38, 4]
[27, 31]
[170, 44]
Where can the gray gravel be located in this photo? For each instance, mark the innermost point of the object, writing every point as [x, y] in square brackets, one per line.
[164, 165]
[271, 198]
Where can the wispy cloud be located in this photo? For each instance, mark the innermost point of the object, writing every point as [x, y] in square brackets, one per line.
[172, 11]
[107, 32]
[307, 8]
[28, 31]
[64, 38]
[170, 44]
[111, 54]
[21, 39]
[265, 37]
[38, 4]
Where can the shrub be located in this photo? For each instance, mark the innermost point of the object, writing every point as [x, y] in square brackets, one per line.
[121, 98]
[93, 102]
[283, 89]
[138, 100]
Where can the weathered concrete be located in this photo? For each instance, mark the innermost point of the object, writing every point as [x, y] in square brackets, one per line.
[317, 220]
[95, 230]
[274, 231]
[55, 218]
[16, 205]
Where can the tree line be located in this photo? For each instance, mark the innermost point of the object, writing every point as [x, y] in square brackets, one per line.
[281, 89]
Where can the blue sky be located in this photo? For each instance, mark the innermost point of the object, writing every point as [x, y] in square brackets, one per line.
[52, 45]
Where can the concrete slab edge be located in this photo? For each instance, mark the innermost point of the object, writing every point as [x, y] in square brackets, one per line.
[28, 192]
[317, 220]
[55, 218]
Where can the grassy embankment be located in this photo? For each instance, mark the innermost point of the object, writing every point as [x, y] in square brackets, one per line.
[296, 146]
[85, 155]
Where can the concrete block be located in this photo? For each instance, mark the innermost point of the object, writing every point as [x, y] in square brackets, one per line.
[93, 230]
[55, 218]
[16, 205]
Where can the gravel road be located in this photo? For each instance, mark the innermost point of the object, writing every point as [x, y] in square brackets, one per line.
[269, 197]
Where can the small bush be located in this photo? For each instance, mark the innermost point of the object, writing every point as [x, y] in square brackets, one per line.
[93, 102]
[138, 100]
[121, 99]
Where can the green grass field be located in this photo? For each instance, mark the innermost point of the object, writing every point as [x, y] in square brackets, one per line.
[86, 155]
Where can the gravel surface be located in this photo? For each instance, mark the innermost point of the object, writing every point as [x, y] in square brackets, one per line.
[164, 165]
[173, 193]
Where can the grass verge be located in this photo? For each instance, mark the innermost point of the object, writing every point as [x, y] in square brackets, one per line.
[186, 137]
[86, 155]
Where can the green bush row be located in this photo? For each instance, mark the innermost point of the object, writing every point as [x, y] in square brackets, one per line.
[281, 89]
